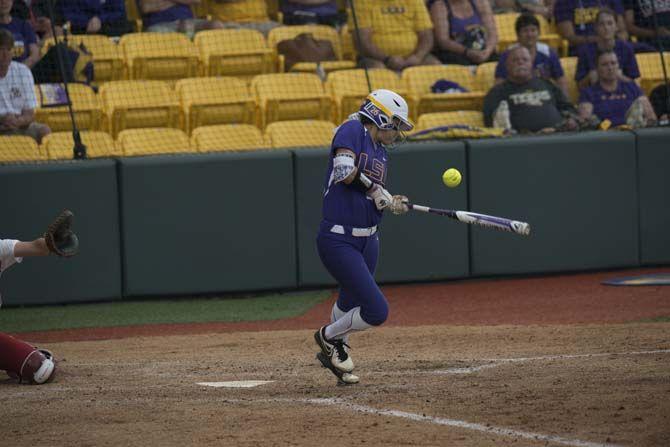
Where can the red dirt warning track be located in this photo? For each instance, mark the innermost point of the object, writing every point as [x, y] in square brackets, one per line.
[563, 299]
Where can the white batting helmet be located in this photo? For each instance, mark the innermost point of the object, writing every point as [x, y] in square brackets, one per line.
[388, 110]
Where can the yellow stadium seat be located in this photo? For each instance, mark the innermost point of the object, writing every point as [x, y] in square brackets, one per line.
[164, 56]
[233, 52]
[505, 25]
[348, 88]
[419, 80]
[153, 141]
[130, 104]
[85, 105]
[320, 32]
[15, 148]
[300, 133]
[290, 96]
[206, 101]
[651, 69]
[106, 54]
[460, 117]
[486, 76]
[59, 145]
[228, 137]
[569, 65]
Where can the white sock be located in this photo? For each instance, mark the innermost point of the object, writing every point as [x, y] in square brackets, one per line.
[349, 322]
[335, 315]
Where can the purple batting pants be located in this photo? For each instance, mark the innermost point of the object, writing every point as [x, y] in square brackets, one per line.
[351, 261]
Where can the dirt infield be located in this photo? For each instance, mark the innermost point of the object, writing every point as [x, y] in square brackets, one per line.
[525, 362]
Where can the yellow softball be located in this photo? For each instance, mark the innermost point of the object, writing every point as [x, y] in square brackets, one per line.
[451, 177]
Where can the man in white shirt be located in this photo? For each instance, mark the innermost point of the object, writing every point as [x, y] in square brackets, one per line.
[17, 95]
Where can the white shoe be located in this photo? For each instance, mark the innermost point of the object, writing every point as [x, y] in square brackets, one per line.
[335, 351]
[501, 117]
[635, 115]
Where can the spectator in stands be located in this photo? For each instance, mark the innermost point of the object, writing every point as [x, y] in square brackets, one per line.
[37, 13]
[395, 34]
[640, 21]
[166, 16]
[242, 14]
[542, 7]
[546, 63]
[25, 40]
[576, 20]
[465, 31]
[17, 95]
[320, 12]
[613, 99]
[660, 101]
[525, 103]
[586, 73]
[106, 17]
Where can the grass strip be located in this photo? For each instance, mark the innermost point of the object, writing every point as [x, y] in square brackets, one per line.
[183, 310]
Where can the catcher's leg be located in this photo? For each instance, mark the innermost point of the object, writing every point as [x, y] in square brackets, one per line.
[24, 361]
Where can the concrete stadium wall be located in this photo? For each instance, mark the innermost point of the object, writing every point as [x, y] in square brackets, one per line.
[231, 222]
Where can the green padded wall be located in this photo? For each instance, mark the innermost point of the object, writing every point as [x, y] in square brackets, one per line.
[578, 191]
[653, 146]
[33, 196]
[208, 223]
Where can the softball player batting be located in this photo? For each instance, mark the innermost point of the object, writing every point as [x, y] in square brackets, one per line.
[20, 359]
[353, 203]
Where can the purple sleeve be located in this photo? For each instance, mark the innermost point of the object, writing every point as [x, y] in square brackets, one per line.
[28, 34]
[617, 6]
[501, 70]
[583, 62]
[348, 136]
[112, 11]
[74, 12]
[630, 67]
[555, 65]
[586, 95]
[564, 11]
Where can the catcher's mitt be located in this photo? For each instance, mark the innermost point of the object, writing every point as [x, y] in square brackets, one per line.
[60, 238]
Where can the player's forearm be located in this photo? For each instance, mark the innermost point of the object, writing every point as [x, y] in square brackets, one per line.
[38, 247]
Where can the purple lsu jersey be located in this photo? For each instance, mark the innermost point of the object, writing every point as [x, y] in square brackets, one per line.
[345, 204]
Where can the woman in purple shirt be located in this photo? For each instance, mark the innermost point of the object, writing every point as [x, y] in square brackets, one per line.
[465, 31]
[353, 202]
[620, 102]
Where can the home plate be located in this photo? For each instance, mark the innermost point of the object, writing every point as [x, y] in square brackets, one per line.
[236, 384]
